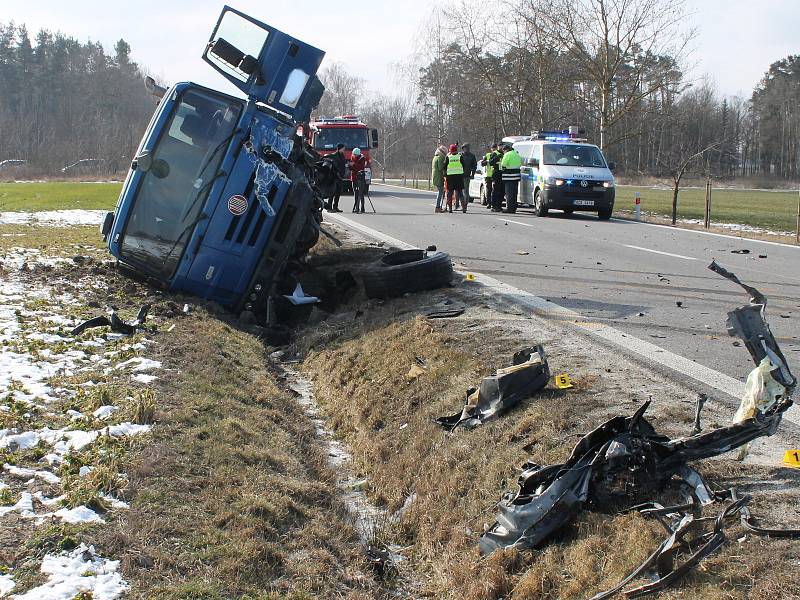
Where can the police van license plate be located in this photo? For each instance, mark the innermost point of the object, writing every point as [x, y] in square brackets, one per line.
[583, 202]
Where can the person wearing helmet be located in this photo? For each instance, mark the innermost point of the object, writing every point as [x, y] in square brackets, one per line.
[454, 169]
[357, 166]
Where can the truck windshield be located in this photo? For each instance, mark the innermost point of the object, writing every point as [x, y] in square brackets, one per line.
[326, 138]
[573, 155]
[172, 192]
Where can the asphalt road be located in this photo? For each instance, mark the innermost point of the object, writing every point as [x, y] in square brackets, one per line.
[627, 275]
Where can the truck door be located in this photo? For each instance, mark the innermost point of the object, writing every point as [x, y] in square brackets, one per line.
[266, 64]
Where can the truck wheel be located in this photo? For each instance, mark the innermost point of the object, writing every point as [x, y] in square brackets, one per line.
[406, 271]
[605, 214]
[539, 209]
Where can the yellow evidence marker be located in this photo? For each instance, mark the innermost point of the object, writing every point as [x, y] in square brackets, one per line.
[792, 458]
[562, 381]
[470, 277]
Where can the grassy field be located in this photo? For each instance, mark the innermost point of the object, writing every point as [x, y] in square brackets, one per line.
[776, 211]
[58, 195]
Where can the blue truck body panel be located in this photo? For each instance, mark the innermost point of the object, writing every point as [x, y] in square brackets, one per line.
[222, 193]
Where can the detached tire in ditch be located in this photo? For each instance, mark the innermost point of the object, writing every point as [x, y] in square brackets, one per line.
[406, 271]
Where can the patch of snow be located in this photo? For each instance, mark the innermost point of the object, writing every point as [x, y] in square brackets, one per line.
[6, 584]
[54, 218]
[80, 514]
[84, 471]
[105, 412]
[22, 472]
[78, 571]
[144, 378]
[24, 506]
[48, 501]
[141, 364]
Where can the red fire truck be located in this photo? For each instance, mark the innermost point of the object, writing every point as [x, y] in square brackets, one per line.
[325, 133]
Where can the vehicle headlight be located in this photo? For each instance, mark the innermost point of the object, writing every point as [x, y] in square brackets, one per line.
[608, 184]
[554, 181]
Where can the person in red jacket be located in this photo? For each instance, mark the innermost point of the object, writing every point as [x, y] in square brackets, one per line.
[357, 166]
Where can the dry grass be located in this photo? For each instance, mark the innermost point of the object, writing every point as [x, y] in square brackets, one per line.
[233, 498]
[359, 369]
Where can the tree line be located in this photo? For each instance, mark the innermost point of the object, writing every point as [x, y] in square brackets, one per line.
[62, 101]
[616, 68]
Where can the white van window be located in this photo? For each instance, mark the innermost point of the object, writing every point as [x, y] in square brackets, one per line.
[573, 155]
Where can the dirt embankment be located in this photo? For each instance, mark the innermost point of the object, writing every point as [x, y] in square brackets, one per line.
[445, 486]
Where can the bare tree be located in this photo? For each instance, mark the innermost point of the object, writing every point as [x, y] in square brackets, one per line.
[342, 91]
[609, 42]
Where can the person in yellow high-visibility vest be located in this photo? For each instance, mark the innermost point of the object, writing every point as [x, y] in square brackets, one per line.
[454, 171]
[488, 172]
[510, 166]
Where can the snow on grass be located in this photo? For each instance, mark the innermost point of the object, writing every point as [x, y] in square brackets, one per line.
[53, 218]
[6, 584]
[24, 506]
[39, 361]
[70, 573]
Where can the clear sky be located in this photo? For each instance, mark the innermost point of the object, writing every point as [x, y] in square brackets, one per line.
[737, 39]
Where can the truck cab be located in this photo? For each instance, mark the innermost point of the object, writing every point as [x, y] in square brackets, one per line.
[223, 194]
[564, 172]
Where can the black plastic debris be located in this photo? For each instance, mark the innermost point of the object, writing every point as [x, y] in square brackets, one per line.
[497, 393]
[117, 325]
[622, 460]
[625, 460]
[742, 251]
[445, 309]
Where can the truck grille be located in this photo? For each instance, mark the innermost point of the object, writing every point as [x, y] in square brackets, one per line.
[247, 227]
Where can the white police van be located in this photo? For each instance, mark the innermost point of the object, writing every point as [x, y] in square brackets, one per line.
[561, 171]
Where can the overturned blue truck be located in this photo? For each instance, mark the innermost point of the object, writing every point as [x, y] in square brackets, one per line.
[223, 194]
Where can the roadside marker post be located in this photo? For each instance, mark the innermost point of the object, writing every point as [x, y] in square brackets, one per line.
[638, 207]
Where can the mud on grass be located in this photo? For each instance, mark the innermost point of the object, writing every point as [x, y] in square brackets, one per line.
[443, 487]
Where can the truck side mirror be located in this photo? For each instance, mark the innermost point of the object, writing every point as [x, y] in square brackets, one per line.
[374, 134]
[533, 162]
[612, 166]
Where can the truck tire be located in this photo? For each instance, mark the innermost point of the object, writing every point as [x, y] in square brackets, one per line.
[605, 214]
[407, 271]
[539, 209]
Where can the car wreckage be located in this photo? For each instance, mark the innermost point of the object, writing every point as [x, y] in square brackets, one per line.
[625, 460]
[223, 195]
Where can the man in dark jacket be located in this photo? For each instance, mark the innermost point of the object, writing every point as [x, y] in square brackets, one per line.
[470, 166]
[497, 182]
[339, 162]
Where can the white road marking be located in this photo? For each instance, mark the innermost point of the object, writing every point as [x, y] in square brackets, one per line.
[660, 252]
[515, 222]
[546, 309]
